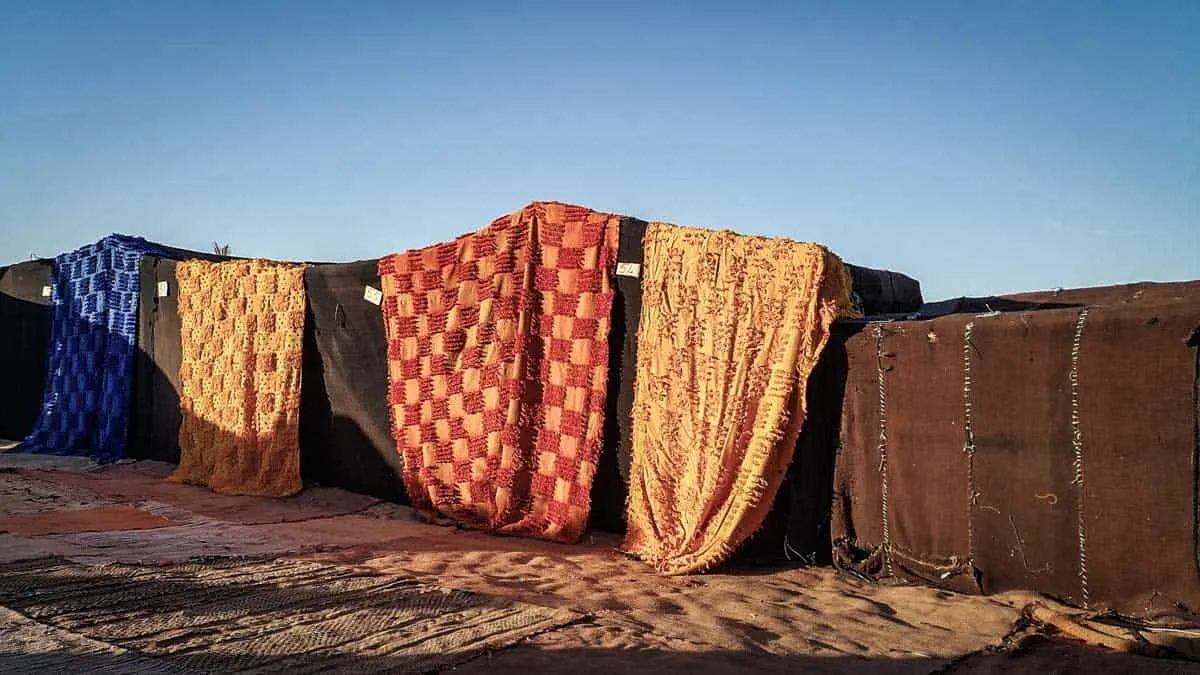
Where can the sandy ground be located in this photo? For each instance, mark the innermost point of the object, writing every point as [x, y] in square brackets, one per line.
[632, 620]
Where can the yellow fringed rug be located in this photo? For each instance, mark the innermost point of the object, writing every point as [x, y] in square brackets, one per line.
[242, 330]
[731, 328]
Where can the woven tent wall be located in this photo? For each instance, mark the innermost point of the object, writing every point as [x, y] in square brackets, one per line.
[24, 345]
[1051, 450]
[346, 439]
[797, 531]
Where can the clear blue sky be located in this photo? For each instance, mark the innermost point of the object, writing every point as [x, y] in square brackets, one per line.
[982, 147]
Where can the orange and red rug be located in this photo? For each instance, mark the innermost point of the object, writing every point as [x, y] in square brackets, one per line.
[498, 368]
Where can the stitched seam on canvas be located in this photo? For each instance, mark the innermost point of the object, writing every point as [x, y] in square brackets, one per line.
[969, 447]
[1077, 444]
[882, 447]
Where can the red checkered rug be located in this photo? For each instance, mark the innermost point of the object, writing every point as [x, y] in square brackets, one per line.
[498, 366]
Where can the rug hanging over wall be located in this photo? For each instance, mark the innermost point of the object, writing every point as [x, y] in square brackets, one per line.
[93, 307]
[498, 366]
[731, 328]
[242, 331]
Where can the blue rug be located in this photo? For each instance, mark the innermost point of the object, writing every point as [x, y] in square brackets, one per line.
[93, 333]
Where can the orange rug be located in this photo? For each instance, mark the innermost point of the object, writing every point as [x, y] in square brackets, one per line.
[242, 326]
[731, 328]
[498, 368]
[100, 519]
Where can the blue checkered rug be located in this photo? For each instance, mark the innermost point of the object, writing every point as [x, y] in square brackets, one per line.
[94, 312]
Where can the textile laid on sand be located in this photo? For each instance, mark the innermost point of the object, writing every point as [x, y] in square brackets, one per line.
[243, 326]
[731, 328]
[94, 302]
[498, 366]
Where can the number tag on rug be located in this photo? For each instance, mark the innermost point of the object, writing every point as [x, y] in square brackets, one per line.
[372, 295]
[628, 269]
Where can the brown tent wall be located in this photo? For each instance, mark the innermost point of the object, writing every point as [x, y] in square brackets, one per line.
[24, 345]
[1050, 450]
[798, 529]
[346, 438]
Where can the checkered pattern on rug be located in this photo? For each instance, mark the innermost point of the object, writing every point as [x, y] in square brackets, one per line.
[242, 329]
[93, 305]
[498, 367]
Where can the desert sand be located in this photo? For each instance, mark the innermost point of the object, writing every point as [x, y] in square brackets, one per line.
[608, 613]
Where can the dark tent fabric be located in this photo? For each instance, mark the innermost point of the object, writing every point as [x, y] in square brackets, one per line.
[24, 344]
[610, 486]
[1050, 450]
[346, 438]
[94, 305]
[884, 292]
[154, 422]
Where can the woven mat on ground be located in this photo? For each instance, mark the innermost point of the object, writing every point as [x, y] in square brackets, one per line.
[243, 329]
[282, 616]
[498, 365]
[101, 519]
[731, 328]
[93, 306]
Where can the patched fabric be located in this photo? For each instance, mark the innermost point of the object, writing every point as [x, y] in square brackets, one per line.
[94, 309]
[731, 327]
[243, 330]
[498, 369]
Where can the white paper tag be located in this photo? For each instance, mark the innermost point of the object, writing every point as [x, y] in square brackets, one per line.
[163, 289]
[46, 291]
[629, 270]
[372, 295]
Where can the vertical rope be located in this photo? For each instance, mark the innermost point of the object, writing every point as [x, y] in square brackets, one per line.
[1077, 443]
[882, 447]
[969, 446]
